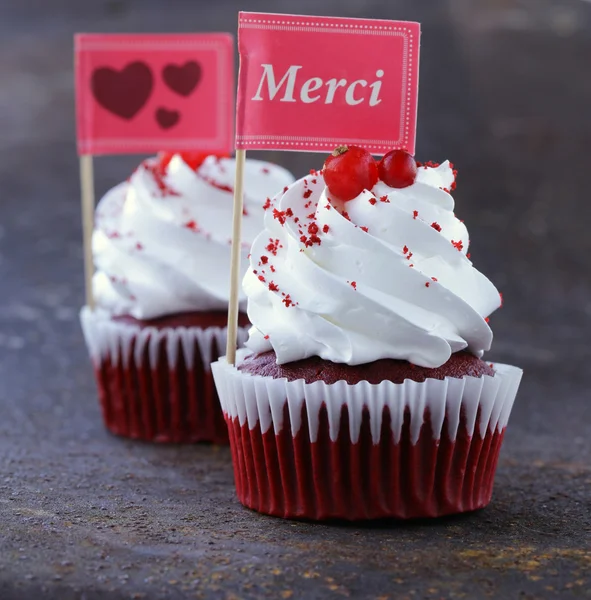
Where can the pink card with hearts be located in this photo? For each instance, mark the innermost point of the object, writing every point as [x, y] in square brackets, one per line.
[141, 93]
[313, 83]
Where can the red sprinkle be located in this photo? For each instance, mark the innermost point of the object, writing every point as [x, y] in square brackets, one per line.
[436, 226]
[405, 250]
[272, 246]
[353, 284]
[434, 278]
[364, 229]
[459, 245]
[486, 319]
[325, 228]
[415, 214]
[267, 204]
[287, 301]
[266, 337]
[385, 199]
[264, 259]
[273, 287]
[307, 194]
[261, 278]
[372, 201]
[272, 268]
[192, 226]
[427, 284]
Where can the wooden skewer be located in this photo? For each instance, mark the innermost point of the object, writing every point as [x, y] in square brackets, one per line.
[87, 184]
[233, 305]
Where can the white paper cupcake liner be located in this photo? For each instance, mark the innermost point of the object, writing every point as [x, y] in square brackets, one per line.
[255, 399]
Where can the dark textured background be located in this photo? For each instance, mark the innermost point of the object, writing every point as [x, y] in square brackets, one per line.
[506, 94]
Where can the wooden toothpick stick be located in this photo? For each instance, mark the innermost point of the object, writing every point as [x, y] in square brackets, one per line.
[87, 184]
[233, 305]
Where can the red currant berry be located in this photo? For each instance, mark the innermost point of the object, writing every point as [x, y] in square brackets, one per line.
[398, 169]
[349, 171]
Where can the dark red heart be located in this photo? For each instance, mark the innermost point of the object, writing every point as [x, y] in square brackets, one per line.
[182, 80]
[124, 92]
[167, 118]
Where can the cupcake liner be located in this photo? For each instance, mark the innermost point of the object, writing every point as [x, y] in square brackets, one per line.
[156, 384]
[363, 451]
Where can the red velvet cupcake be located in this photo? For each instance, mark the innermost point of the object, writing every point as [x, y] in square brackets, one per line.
[361, 394]
[162, 252]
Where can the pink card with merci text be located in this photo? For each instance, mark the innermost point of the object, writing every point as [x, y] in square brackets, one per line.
[141, 93]
[313, 83]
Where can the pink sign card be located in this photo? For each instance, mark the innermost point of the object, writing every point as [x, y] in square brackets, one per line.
[141, 93]
[312, 83]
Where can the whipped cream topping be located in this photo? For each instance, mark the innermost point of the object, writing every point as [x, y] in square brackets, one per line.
[161, 243]
[386, 275]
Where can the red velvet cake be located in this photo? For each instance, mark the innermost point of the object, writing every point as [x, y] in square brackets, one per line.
[360, 394]
[161, 247]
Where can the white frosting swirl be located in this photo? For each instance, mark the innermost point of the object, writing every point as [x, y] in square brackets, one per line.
[161, 244]
[390, 281]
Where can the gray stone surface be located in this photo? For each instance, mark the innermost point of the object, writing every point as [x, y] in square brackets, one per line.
[506, 94]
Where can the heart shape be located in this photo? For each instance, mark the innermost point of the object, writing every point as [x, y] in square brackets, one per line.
[182, 80]
[167, 118]
[125, 92]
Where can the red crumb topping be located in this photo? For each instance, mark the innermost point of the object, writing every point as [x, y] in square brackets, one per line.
[415, 214]
[273, 287]
[326, 229]
[285, 189]
[287, 301]
[427, 284]
[353, 284]
[436, 226]
[328, 207]
[405, 250]
[192, 225]
[267, 204]
[307, 194]
[408, 256]
[431, 164]
[385, 199]
[266, 337]
[165, 189]
[264, 259]
[364, 229]
[272, 246]
[281, 215]
[216, 184]
[459, 245]
[372, 201]
[486, 319]
[261, 278]
[468, 255]
[434, 278]
[346, 215]
[272, 269]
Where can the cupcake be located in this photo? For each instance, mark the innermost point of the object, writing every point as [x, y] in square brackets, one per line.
[362, 393]
[161, 248]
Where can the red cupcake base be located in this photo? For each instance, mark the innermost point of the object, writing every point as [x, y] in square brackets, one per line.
[154, 378]
[170, 405]
[292, 477]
